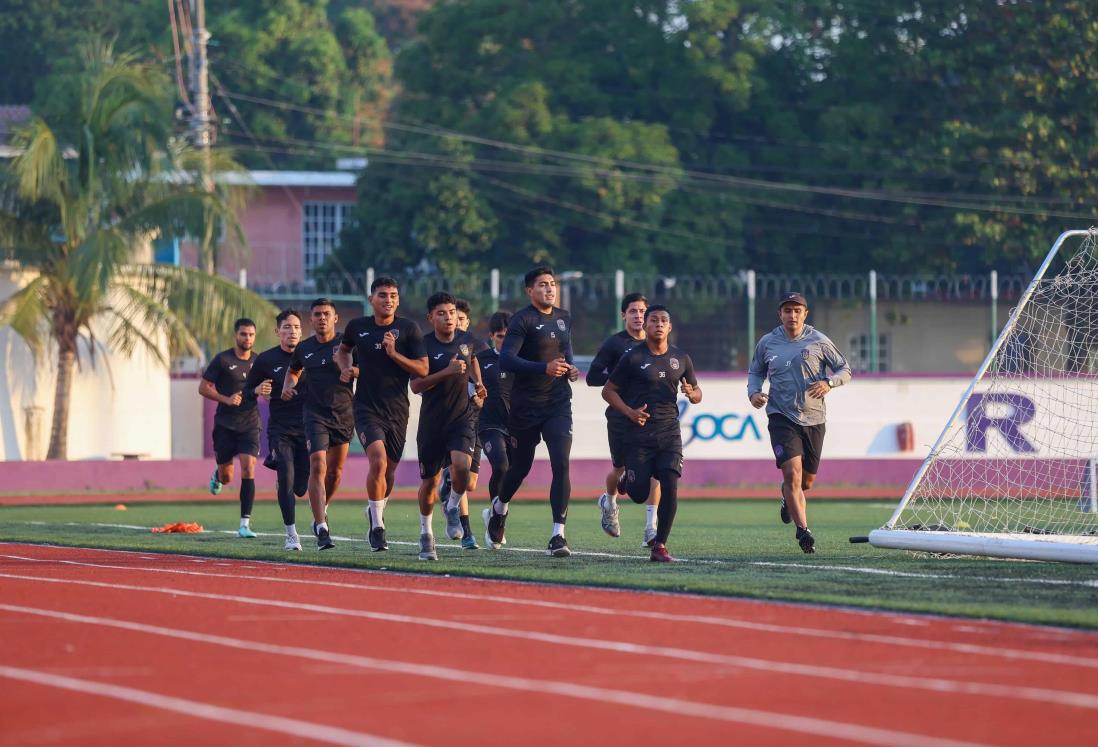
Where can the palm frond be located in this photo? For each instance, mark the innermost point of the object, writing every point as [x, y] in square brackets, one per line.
[40, 167]
[27, 312]
[139, 310]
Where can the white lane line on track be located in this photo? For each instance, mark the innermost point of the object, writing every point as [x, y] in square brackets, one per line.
[198, 709]
[1087, 583]
[748, 716]
[769, 666]
[784, 630]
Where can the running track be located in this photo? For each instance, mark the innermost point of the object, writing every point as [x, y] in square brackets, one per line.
[106, 647]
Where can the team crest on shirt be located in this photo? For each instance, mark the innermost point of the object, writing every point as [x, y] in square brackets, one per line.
[804, 354]
[395, 332]
[464, 349]
[560, 325]
[674, 364]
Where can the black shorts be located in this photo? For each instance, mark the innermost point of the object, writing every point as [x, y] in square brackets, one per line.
[228, 443]
[323, 433]
[288, 442]
[435, 446]
[648, 454]
[393, 434]
[474, 468]
[617, 434]
[791, 439]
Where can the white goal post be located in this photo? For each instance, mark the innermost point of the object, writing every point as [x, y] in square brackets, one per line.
[1013, 472]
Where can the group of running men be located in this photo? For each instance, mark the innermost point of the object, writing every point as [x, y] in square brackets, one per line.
[504, 398]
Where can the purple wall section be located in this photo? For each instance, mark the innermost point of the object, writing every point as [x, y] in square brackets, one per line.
[838, 477]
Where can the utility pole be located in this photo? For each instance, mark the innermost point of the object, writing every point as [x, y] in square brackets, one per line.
[201, 128]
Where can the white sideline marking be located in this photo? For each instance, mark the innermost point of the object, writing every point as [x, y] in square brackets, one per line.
[198, 709]
[931, 684]
[752, 717]
[1090, 583]
[891, 640]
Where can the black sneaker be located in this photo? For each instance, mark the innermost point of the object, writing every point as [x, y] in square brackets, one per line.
[558, 548]
[494, 525]
[806, 540]
[377, 539]
[323, 539]
[786, 519]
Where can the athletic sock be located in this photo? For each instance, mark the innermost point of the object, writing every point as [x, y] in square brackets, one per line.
[425, 525]
[465, 526]
[291, 530]
[558, 529]
[377, 512]
[247, 496]
[499, 507]
[245, 522]
[650, 516]
[322, 525]
[455, 500]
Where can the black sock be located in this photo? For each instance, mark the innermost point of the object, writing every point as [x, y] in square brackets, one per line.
[465, 526]
[247, 496]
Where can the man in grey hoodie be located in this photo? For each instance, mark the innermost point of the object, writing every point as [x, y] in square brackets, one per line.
[803, 365]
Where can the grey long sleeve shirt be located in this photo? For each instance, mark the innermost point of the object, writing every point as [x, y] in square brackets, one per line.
[792, 366]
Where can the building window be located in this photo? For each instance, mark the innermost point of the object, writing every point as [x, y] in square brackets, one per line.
[858, 354]
[323, 223]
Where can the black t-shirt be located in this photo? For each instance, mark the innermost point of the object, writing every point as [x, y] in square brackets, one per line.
[325, 395]
[383, 385]
[272, 364]
[228, 373]
[644, 378]
[447, 402]
[497, 407]
[533, 339]
[606, 359]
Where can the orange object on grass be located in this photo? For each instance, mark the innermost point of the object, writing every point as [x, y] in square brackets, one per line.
[184, 528]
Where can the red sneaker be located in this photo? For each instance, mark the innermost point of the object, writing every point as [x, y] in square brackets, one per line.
[660, 554]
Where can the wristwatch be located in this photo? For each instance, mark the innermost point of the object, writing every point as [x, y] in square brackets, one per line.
[831, 383]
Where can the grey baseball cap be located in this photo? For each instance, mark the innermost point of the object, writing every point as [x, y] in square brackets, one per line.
[792, 297]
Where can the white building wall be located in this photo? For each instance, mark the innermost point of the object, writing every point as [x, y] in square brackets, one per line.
[121, 405]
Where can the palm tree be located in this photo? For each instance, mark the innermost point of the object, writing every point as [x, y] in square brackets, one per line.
[87, 190]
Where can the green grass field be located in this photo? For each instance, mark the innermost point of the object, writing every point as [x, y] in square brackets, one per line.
[732, 548]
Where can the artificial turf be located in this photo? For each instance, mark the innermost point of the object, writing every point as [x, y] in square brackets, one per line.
[732, 548]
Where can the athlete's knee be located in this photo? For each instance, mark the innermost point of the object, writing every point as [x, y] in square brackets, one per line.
[378, 460]
[806, 480]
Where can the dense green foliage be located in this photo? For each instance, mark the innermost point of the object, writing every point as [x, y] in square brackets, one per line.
[658, 135]
[735, 548]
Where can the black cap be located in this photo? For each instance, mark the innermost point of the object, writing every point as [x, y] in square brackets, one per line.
[792, 297]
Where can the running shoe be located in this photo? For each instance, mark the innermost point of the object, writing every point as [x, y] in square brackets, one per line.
[493, 528]
[806, 540]
[453, 521]
[245, 533]
[377, 540]
[215, 484]
[558, 548]
[659, 553]
[649, 537]
[323, 538]
[469, 542]
[293, 542]
[610, 523]
[785, 511]
[427, 547]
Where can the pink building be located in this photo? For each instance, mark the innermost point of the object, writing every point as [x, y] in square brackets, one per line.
[292, 223]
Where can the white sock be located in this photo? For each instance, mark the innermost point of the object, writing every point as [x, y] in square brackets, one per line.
[558, 529]
[455, 500]
[291, 530]
[246, 522]
[322, 525]
[499, 507]
[377, 512]
[650, 516]
[425, 525]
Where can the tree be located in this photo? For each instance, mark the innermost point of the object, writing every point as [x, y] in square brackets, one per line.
[86, 191]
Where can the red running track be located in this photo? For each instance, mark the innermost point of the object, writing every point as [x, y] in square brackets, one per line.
[97, 647]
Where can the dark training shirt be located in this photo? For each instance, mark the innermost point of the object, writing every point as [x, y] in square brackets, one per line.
[606, 359]
[228, 374]
[383, 385]
[324, 394]
[447, 402]
[272, 364]
[643, 378]
[497, 406]
[533, 339]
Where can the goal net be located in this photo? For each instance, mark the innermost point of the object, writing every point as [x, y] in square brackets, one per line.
[1013, 472]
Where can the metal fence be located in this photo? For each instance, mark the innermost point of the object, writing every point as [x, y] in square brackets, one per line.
[718, 317]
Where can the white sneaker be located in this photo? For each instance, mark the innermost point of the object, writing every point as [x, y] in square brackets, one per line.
[649, 537]
[293, 542]
[610, 523]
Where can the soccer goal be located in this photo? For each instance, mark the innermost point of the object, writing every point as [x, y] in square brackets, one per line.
[1013, 472]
